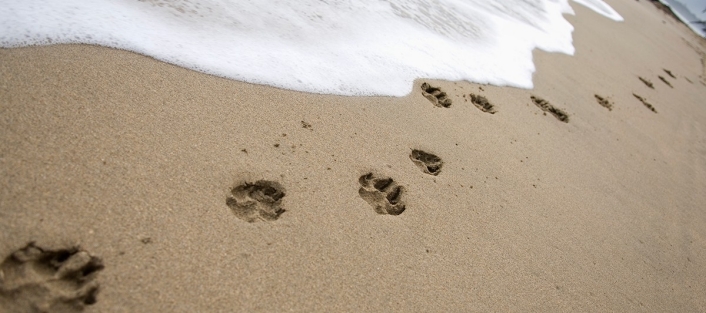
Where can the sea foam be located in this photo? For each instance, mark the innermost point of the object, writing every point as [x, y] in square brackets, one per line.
[342, 47]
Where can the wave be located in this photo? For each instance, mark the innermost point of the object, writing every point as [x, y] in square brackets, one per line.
[340, 47]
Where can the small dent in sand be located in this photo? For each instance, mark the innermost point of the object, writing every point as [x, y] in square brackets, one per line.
[605, 102]
[547, 107]
[664, 80]
[644, 101]
[647, 82]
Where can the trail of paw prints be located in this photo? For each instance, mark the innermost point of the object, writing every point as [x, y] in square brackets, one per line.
[604, 102]
[644, 101]
[663, 79]
[435, 96]
[382, 193]
[34, 279]
[260, 201]
[427, 162]
[547, 107]
[673, 76]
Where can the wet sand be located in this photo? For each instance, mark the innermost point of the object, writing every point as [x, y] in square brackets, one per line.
[133, 161]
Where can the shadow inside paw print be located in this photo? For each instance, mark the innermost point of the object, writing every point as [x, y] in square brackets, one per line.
[382, 193]
[259, 201]
[33, 279]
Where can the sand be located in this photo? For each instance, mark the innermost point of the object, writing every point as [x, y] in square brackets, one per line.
[132, 161]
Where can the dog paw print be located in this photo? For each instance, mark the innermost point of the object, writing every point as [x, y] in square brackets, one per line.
[382, 193]
[259, 201]
[34, 279]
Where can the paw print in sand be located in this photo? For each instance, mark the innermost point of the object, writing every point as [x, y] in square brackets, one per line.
[436, 96]
[427, 162]
[33, 279]
[258, 201]
[382, 193]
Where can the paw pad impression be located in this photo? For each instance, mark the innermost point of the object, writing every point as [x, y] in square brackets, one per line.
[34, 279]
[427, 162]
[435, 95]
[547, 107]
[382, 193]
[259, 201]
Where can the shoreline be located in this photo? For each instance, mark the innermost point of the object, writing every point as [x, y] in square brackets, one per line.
[666, 8]
[134, 160]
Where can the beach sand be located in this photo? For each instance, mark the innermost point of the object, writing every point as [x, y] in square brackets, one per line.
[132, 160]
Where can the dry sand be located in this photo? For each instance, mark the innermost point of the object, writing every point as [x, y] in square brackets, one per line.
[133, 159]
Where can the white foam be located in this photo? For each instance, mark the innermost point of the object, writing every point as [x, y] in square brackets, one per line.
[339, 47]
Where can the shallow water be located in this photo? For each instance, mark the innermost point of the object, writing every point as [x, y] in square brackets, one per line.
[322, 46]
[689, 12]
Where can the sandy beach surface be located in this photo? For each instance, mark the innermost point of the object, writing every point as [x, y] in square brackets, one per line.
[133, 161]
